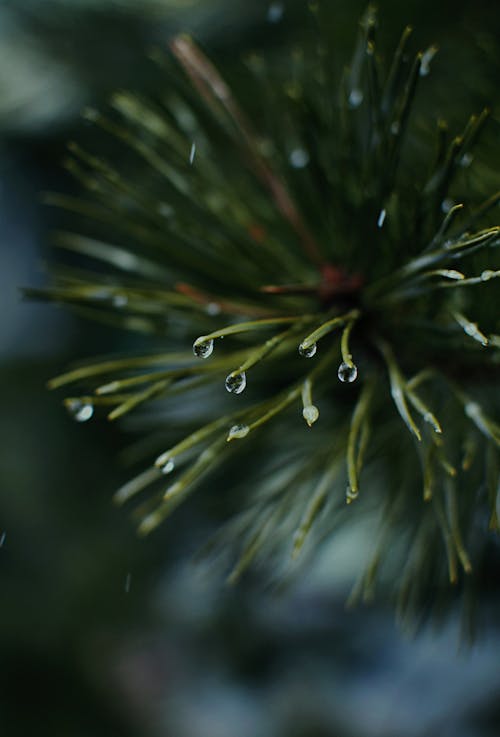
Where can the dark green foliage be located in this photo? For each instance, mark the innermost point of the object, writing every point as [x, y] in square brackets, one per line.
[348, 229]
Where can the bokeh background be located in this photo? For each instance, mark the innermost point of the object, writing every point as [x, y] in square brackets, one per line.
[105, 634]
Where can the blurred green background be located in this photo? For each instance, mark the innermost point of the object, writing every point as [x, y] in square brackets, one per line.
[105, 634]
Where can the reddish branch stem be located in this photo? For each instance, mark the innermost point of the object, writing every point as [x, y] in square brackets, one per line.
[214, 90]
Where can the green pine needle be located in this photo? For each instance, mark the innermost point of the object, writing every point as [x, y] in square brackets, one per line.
[326, 257]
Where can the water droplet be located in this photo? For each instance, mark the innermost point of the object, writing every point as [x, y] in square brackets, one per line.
[2, 538]
[192, 153]
[447, 204]
[203, 348]
[235, 383]
[310, 413]
[128, 580]
[355, 98]
[213, 309]
[395, 127]
[275, 12]
[80, 411]
[347, 374]
[381, 218]
[238, 431]
[299, 158]
[488, 274]
[169, 466]
[351, 494]
[308, 351]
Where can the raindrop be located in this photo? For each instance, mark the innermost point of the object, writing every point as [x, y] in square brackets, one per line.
[80, 411]
[238, 431]
[275, 12]
[299, 158]
[213, 309]
[169, 466]
[310, 414]
[235, 383]
[2, 538]
[192, 153]
[381, 218]
[351, 494]
[347, 373]
[355, 98]
[203, 348]
[308, 351]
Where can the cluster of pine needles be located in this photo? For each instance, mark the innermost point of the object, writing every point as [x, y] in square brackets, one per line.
[336, 271]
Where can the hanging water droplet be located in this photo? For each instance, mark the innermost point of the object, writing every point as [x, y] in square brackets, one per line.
[275, 12]
[351, 494]
[169, 466]
[192, 153]
[203, 348]
[347, 373]
[238, 431]
[235, 383]
[447, 204]
[395, 127]
[80, 411]
[299, 158]
[310, 413]
[308, 351]
[355, 98]
[381, 218]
